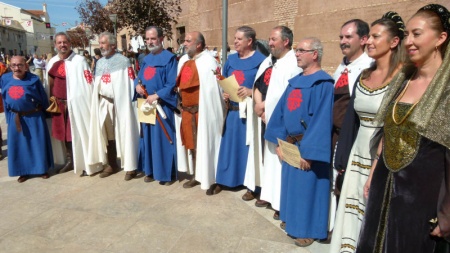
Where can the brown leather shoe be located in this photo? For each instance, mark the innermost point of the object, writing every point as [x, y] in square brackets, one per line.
[22, 179]
[191, 183]
[130, 175]
[167, 183]
[249, 195]
[45, 176]
[214, 189]
[261, 203]
[283, 225]
[107, 171]
[148, 179]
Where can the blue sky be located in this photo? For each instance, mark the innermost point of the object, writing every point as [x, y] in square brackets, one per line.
[58, 10]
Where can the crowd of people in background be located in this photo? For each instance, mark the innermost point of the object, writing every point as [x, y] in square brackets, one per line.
[373, 139]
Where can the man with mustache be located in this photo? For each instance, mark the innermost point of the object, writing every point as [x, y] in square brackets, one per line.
[157, 148]
[114, 129]
[353, 36]
[69, 83]
[199, 126]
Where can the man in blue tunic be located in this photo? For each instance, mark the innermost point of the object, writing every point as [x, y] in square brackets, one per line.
[233, 147]
[25, 103]
[303, 117]
[157, 149]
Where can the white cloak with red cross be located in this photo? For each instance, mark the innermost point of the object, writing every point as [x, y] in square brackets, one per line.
[117, 72]
[79, 92]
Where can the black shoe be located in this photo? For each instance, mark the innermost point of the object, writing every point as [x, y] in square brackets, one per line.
[68, 167]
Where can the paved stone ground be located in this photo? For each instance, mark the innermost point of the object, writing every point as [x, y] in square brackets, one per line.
[66, 213]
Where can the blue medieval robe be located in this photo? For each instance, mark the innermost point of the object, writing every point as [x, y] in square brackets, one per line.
[30, 150]
[306, 107]
[157, 157]
[233, 149]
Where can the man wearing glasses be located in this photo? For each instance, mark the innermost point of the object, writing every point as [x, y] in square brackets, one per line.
[303, 117]
[28, 137]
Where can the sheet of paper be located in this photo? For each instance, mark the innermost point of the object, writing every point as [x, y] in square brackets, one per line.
[231, 86]
[290, 152]
[145, 117]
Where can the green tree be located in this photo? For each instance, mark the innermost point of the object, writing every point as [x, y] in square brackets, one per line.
[135, 14]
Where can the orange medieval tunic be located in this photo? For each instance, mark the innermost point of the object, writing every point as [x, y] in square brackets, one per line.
[188, 83]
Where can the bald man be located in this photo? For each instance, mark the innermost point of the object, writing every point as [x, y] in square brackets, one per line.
[202, 112]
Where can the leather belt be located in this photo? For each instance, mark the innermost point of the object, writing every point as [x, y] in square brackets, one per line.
[190, 109]
[294, 138]
[25, 113]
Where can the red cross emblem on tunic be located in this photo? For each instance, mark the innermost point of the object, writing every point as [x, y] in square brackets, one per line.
[88, 76]
[186, 74]
[240, 77]
[16, 92]
[62, 70]
[294, 99]
[343, 80]
[106, 78]
[267, 76]
[131, 73]
[149, 73]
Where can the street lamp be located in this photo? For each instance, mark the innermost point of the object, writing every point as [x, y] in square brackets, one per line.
[113, 18]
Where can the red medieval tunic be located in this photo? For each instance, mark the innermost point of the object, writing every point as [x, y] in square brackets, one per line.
[188, 83]
[60, 121]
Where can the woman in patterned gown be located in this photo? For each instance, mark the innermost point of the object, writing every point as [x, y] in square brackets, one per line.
[409, 186]
[384, 47]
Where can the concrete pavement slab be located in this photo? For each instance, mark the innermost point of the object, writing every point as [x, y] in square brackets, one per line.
[66, 213]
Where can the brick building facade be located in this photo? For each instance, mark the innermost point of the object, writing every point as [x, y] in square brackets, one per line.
[319, 18]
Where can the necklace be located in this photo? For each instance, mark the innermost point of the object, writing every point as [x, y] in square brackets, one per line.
[396, 102]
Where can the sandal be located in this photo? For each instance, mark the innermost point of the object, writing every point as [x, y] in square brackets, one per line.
[303, 242]
[22, 179]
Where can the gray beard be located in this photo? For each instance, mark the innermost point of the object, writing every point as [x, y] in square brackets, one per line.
[105, 52]
[154, 48]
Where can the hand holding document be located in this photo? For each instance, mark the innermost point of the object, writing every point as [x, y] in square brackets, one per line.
[290, 152]
[231, 86]
[146, 112]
